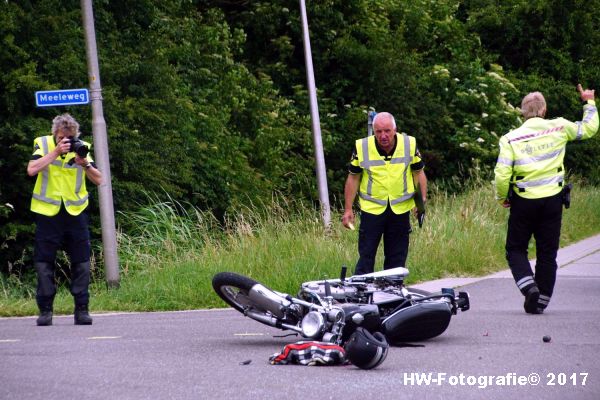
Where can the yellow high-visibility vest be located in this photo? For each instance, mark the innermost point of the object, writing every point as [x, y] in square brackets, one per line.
[384, 182]
[531, 156]
[58, 183]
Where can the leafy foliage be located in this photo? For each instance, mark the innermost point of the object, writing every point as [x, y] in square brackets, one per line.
[206, 100]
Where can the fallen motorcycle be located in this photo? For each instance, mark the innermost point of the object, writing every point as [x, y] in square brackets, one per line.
[331, 310]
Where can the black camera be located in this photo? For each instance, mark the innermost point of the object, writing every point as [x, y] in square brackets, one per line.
[78, 147]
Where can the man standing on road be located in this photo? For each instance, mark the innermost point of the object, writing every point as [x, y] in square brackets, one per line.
[529, 178]
[383, 171]
[60, 199]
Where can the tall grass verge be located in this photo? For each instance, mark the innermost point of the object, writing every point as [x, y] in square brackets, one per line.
[172, 250]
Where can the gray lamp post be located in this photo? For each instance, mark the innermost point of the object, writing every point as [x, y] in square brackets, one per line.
[107, 214]
[316, 124]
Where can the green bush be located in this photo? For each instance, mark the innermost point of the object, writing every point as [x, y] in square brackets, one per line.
[207, 100]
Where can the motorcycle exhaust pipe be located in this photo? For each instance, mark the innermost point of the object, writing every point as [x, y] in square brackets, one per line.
[272, 321]
[266, 299]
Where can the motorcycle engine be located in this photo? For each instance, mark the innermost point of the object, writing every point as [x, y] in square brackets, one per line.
[339, 292]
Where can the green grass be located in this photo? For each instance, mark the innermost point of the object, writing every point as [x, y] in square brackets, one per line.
[168, 260]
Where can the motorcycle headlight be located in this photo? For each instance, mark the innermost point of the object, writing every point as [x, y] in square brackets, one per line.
[312, 324]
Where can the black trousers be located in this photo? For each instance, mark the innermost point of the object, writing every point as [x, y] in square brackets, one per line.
[68, 232]
[395, 229]
[540, 218]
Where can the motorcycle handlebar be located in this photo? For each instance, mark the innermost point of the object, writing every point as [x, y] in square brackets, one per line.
[436, 296]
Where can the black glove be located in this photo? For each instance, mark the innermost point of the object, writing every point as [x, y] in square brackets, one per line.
[566, 195]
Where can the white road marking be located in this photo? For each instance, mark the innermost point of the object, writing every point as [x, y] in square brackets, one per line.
[103, 337]
[9, 340]
[248, 334]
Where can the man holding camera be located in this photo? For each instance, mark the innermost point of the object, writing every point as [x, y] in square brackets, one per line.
[60, 198]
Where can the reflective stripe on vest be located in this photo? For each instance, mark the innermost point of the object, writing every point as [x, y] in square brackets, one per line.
[540, 182]
[536, 134]
[504, 161]
[548, 156]
[592, 113]
[366, 165]
[42, 196]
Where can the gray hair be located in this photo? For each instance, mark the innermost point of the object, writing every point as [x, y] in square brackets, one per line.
[385, 114]
[65, 121]
[533, 105]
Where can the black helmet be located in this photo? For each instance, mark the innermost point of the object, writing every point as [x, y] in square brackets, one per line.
[366, 350]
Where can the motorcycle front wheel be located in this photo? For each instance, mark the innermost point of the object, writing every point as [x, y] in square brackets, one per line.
[233, 289]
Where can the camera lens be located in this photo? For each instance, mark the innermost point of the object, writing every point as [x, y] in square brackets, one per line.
[79, 148]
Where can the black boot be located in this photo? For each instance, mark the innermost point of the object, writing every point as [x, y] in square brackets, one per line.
[45, 291]
[531, 301]
[80, 280]
[82, 316]
[45, 318]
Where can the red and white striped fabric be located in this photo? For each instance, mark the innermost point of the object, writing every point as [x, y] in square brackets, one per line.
[310, 353]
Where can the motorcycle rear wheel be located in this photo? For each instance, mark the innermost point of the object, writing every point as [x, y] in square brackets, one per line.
[233, 289]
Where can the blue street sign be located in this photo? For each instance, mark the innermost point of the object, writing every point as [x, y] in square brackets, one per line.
[51, 98]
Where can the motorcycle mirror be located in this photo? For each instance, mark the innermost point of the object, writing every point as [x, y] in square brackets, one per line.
[343, 273]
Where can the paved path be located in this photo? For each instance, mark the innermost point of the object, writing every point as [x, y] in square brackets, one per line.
[493, 351]
[571, 256]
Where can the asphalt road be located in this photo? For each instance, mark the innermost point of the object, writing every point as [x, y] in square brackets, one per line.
[493, 351]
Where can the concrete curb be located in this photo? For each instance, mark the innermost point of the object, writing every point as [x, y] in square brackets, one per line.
[566, 256]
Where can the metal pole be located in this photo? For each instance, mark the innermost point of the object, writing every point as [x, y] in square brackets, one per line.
[107, 214]
[370, 118]
[316, 126]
